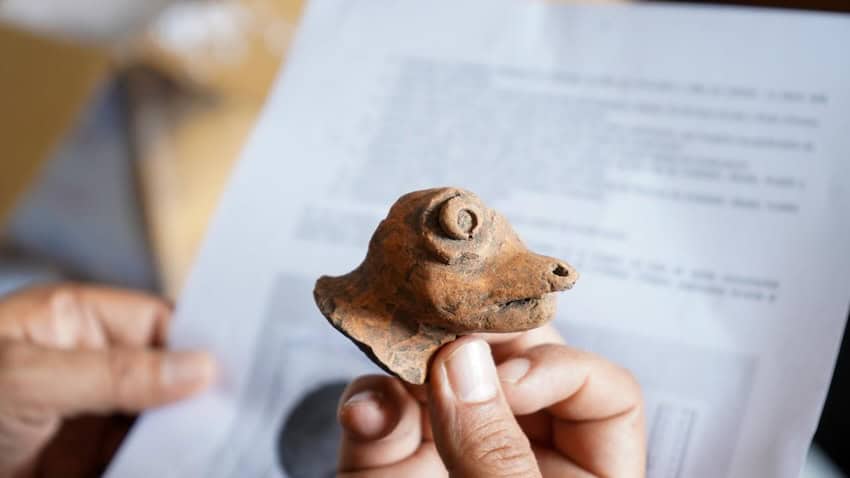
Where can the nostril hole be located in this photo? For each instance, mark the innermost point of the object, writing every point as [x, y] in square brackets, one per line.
[560, 270]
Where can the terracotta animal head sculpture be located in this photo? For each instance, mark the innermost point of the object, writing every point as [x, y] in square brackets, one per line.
[440, 265]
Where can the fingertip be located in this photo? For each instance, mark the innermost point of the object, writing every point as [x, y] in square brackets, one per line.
[381, 423]
[464, 370]
[367, 409]
[187, 372]
[207, 367]
[438, 363]
[445, 352]
[366, 416]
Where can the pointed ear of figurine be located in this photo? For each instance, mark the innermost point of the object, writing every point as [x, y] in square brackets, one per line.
[398, 344]
[440, 265]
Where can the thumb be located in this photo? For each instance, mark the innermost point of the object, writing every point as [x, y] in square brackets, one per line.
[69, 382]
[474, 428]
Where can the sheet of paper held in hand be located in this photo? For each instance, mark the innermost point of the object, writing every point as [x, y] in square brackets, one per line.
[690, 162]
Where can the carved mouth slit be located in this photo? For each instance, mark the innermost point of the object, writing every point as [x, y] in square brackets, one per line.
[528, 301]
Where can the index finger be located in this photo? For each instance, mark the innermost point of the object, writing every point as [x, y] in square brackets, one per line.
[571, 384]
[68, 315]
[597, 406]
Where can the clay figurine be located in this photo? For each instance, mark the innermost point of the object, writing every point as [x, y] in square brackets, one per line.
[440, 265]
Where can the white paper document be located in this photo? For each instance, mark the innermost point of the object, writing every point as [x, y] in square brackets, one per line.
[692, 163]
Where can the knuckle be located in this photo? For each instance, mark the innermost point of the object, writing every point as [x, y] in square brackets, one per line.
[630, 385]
[128, 378]
[494, 444]
[162, 310]
[633, 395]
[161, 317]
[64, 300]
[119, 371]
[159, 307]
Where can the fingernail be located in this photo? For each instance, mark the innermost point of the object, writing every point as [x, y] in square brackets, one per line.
[366, 397]
[472, 373]
[365, 416]
[184, 368]
[513, 370]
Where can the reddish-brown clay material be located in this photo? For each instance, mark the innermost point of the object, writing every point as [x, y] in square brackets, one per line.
[440, 265]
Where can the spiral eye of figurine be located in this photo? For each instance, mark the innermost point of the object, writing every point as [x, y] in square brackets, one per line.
[460, 219]
[457, 227]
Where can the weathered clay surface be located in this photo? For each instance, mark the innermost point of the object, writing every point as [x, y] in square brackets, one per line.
[440, 265]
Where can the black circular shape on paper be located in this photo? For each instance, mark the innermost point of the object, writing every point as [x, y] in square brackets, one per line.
[308, 442]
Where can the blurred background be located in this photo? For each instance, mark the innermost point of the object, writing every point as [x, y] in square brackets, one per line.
[120, 124]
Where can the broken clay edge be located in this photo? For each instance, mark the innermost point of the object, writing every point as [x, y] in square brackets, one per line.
[365, 348]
